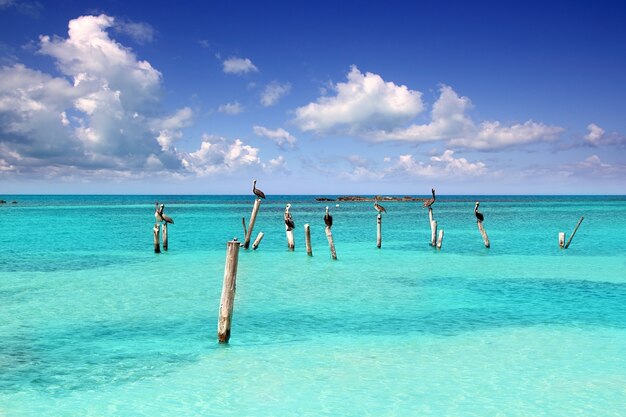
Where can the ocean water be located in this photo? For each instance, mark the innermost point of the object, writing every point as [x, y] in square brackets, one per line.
[94, 323]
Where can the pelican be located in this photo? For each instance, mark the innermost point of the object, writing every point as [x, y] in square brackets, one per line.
[256, 191]
[328, 219]
[478, 214]
[378, 207]
[160, 216]
[430, 201]
[288, 219]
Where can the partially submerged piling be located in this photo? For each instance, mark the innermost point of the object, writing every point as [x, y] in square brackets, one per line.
[307, 239]
[155, 232]
[289, 225]
[573, 233]
[164, 235]
[379, 230]
[255, 210]
[433, 227]
[479, 221]
[257, 241]
[228, 291]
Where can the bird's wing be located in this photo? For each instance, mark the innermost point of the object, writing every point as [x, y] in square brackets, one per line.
[167, 218]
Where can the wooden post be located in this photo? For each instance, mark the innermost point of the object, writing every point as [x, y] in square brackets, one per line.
[228, 291]
[433, 227]
[257, 241]
[155, 232]
[243, 222]
[290, 242]
[483, 233]
[379, 230]
[574, 232]
[307, 239]
[561, 239]
[440, 239]
[164, 235]
[255, 210]
[331, 243]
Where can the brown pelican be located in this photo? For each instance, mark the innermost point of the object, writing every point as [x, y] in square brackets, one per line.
[378, 207]
[478, 214]
[160, 216]
[430, 201]
[288, 219]
[328, 219]
[256, 191]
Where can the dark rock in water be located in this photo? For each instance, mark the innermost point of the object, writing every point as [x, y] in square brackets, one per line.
[324, 199]
[13, 202]
[3, 201]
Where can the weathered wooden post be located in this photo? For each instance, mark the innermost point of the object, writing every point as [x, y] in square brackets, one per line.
[307, 239]
[155, 232]
[243, 222]
[561, 239]
[574, 232]
[379, 230]
[257, 241]
[255, 210]
[228, 291]
[483, 233]
[164, 235]
[433, 227]
[440, 239]
[331, 243]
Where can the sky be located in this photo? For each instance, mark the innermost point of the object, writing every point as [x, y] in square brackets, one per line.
[324, 97]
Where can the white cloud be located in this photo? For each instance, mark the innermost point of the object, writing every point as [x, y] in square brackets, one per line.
[273, 92]
[450, 123]
[231, 108]
[277, 164]
[595, 134]
[444, 165]
[140, 32]
[280, 136]
[364, 102]
[216, 154]
[239, 66]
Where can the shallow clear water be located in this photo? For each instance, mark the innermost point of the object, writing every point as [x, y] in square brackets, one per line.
[93, 323]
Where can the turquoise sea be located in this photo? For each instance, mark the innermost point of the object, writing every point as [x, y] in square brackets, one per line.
[94, 323]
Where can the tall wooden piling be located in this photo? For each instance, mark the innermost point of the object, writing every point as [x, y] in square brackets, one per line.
[433, 228]
[157, 244]
[331, 243]
[291, 244]
[164, 235]
[379, 230]
[307, 239]
[255, 210]
[228, 291]
[483, 233]
[561, 239]
[574, 232]
[243, 222]
[257, 241]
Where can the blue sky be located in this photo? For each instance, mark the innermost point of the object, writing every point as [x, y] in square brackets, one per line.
[317, 97]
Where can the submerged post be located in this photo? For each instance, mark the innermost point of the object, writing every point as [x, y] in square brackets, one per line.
[257, 241]
[289, 225]
[331, 243]
[440, 239]
[561, 239]
[379, 230]
[155, 232]
[255, 210]
[164, 235]
[243, 222]
[574, 232]
[228, 291]
[307, 239]
[433, 227]
[483, 233]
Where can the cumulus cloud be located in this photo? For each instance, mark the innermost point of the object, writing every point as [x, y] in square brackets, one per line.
[362, 103]
[273, 92]
[597, 136]
[238, 66]
[101, 116]
[216, 154]
[280, 136]
[231, 108]
[450, 123]
[440, 165]
[277, 164]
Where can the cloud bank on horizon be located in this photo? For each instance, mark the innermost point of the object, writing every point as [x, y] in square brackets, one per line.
[102, 116]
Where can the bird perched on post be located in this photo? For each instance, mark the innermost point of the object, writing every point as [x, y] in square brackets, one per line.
[378, 207]
[256, 191]
[160, 216]
[430, 201]
[478, 214]
[288, 219]
[328, 219]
